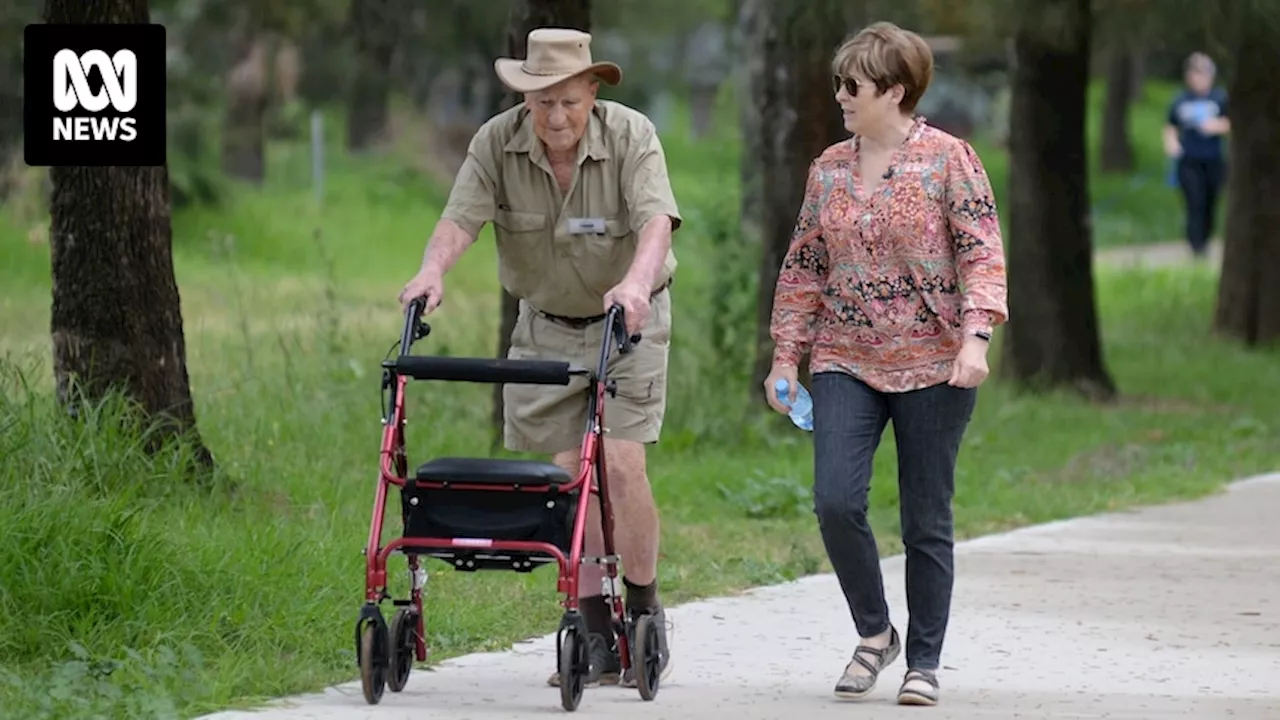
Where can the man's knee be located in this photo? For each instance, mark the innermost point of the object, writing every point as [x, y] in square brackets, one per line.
[625, 463]
[624, 460]
[567, 458]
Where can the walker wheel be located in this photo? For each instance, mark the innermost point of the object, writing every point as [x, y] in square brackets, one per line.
[373, 661]
[648, 657]
[573, 668]
[404, 644]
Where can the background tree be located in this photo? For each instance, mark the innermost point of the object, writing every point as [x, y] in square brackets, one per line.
[373, 25]
[116, 316]
[1053, 336]
[525, 16]
[255, 37]
[244, 127]
[1248, 305]
[1115, 152]
[788, 118]
[1121, 31]
[14, 15]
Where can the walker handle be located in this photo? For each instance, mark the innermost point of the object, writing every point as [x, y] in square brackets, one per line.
[618, 326]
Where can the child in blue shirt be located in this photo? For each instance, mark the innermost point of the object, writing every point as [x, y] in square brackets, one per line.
[1193, 133]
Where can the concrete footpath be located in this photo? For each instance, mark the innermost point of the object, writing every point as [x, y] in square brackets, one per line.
[1165, 612]
[1157, 255]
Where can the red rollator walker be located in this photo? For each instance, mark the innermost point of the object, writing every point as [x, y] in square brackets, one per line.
[493, 514]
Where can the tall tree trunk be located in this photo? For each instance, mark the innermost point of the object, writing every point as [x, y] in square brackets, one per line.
[244, 128]
[1138, 73]
[12, 19]
[374, 25]
[116, 318]
[1053, 338]
[789, 118]
[1116, 146]
[1248, 306]
[525, 16]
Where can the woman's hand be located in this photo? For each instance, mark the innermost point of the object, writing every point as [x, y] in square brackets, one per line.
[970, 367]
[776, 373]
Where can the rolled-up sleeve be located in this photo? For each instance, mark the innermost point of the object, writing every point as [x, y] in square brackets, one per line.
[979, 248]
[797, 297]
[646, 184]
[473, 198]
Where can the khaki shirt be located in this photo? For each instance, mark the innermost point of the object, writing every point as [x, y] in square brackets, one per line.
[622, 178]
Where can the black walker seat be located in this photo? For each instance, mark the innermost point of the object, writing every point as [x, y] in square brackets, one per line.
[492, 471]
[494, 499]
[493, 514]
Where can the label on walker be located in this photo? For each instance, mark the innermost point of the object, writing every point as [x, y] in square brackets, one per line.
[472, 542]
[586, 226]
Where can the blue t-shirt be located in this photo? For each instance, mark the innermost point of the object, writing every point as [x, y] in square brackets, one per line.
[1187, 112]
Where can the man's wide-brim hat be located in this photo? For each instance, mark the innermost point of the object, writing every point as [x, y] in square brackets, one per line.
[553, 55]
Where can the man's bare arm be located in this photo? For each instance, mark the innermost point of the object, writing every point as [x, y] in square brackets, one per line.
[651, 251]
[447, 244]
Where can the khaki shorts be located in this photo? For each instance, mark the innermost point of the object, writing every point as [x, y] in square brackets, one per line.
[552, 418]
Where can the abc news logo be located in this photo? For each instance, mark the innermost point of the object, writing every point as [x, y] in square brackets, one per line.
[71, 90]
[94, 95]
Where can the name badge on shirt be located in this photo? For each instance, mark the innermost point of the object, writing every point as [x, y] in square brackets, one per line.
[586, 226]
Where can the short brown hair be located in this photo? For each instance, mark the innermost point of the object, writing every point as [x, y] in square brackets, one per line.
[887, 55]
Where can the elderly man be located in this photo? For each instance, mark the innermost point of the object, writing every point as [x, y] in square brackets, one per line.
[582, 207]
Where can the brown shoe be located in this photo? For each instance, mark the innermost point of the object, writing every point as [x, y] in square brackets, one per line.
[853, 686]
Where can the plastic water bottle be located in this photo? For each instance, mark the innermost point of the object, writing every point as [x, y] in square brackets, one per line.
[801, 413]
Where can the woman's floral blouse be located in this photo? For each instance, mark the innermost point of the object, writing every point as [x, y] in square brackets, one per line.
[886, 286]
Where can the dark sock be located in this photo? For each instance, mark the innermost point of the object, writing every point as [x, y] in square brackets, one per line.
[597, 614]
[641, 597]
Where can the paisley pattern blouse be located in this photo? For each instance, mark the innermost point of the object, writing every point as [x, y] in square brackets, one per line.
[886, 285]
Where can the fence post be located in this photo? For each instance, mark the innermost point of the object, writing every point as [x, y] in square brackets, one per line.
[317, 156]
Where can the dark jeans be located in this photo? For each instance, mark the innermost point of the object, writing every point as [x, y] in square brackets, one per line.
[1200, 181]
[848, 419]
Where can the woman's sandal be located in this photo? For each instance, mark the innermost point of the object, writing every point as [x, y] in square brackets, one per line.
[853, 687]
[915, 696]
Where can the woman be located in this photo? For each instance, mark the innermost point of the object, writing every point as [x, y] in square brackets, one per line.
[1193, 139]
[893, 283]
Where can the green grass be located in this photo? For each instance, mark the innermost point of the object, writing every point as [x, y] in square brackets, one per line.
[126, 593]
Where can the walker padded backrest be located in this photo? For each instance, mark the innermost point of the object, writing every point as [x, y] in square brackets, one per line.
[484, 370]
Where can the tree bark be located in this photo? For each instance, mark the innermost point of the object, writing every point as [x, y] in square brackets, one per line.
[1138, 74]
[12, 20]
[374, 24]
[1248, 304]
[116, 316]
[1053, 337]
[1116, 146]
[525, 16]
[788, 119]
[244, 128]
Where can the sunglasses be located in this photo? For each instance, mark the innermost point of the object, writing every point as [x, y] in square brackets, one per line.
[849, 84]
